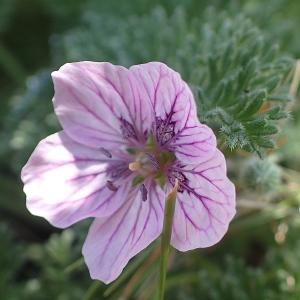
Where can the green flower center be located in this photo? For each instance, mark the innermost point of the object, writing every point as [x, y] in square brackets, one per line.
[152, 161]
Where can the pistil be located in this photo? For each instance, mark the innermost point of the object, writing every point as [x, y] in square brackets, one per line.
[135, 166]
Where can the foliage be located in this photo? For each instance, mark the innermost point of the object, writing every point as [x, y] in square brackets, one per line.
[289, 151]
[9, 263]
[235, 279]
[263, 175]
[240, 90]
[29, 109]
[7, 6]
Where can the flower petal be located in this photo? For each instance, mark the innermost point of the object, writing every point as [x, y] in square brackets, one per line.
[194, 144]
[169, 95]
[205, 206]
[66, 182]
[177, 125]
[112, 241]
[98, 104]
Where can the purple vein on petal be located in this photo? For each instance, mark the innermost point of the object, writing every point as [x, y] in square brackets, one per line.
[90, 111]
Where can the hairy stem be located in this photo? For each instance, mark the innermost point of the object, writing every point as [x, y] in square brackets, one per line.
[165, 239]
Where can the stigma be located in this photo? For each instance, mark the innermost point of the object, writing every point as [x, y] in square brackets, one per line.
[135, 166]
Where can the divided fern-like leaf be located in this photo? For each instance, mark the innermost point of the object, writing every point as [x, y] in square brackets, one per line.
[241, 89]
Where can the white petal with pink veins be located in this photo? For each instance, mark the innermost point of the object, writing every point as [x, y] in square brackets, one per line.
[194, 144]
[168, 93]
[113, 241]
[91, 100]
[66, 182]
[205, 207]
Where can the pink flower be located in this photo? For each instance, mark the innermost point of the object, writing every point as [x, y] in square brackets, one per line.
[127, 135]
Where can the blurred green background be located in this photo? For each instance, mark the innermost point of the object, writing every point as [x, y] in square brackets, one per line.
[239, 57]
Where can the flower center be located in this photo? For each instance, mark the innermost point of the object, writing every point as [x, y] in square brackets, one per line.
[151, 162]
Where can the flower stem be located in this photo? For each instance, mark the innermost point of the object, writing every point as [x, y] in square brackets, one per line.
[165, 239]
[90, 294]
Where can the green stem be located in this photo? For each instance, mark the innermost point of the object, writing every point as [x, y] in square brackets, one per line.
[165, 240]
[74, 266]
[92, 290]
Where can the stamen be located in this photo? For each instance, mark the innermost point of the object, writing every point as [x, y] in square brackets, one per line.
[110, 185]
[180, 177]
[144, 192]
[176, 187]
[134, 166]
[164, 130]
[105, 152]
[127, 129]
